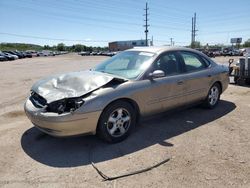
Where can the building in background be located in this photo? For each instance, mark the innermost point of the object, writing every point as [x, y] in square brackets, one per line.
[124, 45]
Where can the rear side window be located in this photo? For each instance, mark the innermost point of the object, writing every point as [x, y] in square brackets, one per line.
[206, 61]
[192, 62]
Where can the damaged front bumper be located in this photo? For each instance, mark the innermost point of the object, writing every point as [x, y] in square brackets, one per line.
[66, 124]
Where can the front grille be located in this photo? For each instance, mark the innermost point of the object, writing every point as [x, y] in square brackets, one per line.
[37, 100]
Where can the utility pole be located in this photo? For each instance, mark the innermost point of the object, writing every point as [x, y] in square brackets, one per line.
[146, 21]
[195, 26]
[194, 30]
[171, 41]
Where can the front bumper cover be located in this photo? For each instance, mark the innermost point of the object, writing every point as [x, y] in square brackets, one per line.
[66, 124]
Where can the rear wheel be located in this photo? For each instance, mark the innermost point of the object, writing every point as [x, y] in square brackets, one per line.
[116, 122]
[213, 96]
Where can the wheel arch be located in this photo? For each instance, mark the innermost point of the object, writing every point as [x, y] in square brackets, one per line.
[220, 84]
[128, 100]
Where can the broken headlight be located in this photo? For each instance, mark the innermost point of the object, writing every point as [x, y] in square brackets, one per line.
[65, 105]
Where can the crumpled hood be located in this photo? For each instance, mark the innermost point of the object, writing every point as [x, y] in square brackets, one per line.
[74, 84]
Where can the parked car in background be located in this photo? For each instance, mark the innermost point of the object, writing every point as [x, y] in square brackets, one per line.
[11, 56]
[32, 53]
[93, 53]
[237, 52]
[3, 57]
[26, 54]
[110, 99]
[39, 54]
[217, 53]
[84, 53]
[231, 52]
[209, 53]
[15, 53]
[99, 53]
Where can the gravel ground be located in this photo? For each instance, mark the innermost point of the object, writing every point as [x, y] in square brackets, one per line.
[207, 148]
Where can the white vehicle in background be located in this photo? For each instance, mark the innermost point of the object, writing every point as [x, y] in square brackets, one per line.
[44, 53]
[246, 52]
[84, 53]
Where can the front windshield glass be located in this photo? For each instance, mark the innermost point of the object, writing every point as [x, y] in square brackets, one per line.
[128, 64]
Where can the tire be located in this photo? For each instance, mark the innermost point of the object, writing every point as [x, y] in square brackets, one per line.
[236, 78]
[213, 96]
[116, 122]
[248, 81]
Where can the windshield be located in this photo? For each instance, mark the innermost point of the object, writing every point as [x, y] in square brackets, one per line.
[128, 64]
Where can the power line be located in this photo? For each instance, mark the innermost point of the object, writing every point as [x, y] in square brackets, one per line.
[228, 31]
[49, 38]
[117, 22]
[80, 17]
[71, 40]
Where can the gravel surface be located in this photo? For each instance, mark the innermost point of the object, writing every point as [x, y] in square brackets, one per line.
[207, 148]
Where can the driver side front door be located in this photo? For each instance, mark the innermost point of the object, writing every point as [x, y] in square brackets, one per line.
[160, 94]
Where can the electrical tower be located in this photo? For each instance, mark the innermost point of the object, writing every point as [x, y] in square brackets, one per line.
[146, 23]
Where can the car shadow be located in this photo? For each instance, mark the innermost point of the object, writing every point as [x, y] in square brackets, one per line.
[77, 151]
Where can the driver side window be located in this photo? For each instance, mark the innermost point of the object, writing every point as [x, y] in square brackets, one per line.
[168, 64]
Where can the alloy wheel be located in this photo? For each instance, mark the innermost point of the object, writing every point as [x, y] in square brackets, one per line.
[118, 122]
[213, 95]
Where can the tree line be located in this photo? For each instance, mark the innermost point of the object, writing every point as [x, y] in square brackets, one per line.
[197, 44]
[58, 47]
[79, 47]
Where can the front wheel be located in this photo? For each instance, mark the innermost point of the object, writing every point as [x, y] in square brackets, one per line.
[213, 96]
[116, 122]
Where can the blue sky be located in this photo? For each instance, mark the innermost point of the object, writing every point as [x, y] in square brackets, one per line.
[97, 22]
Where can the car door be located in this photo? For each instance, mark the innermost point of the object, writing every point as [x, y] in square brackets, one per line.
[166, 92]
[197, 76]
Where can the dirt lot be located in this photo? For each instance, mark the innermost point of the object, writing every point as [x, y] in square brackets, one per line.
[207, 148]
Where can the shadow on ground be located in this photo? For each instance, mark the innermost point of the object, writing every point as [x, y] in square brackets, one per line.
[76, 151]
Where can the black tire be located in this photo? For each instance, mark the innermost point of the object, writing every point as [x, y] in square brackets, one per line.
[106, 127]
[236, 78]
[209, 103]
[241, 81]
[248, 81]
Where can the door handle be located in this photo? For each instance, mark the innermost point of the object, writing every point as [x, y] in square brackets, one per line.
[180, 82]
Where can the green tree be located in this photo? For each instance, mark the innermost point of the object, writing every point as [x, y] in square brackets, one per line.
[247, 43]
[61, 47]
[46, 47]
[195, 44]
[78, 48]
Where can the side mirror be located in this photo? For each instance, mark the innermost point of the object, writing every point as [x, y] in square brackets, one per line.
[156, 74]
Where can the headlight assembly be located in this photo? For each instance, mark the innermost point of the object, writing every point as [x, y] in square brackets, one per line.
[65, 105]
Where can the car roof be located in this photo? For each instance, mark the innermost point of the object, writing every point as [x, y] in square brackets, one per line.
[160, 49]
